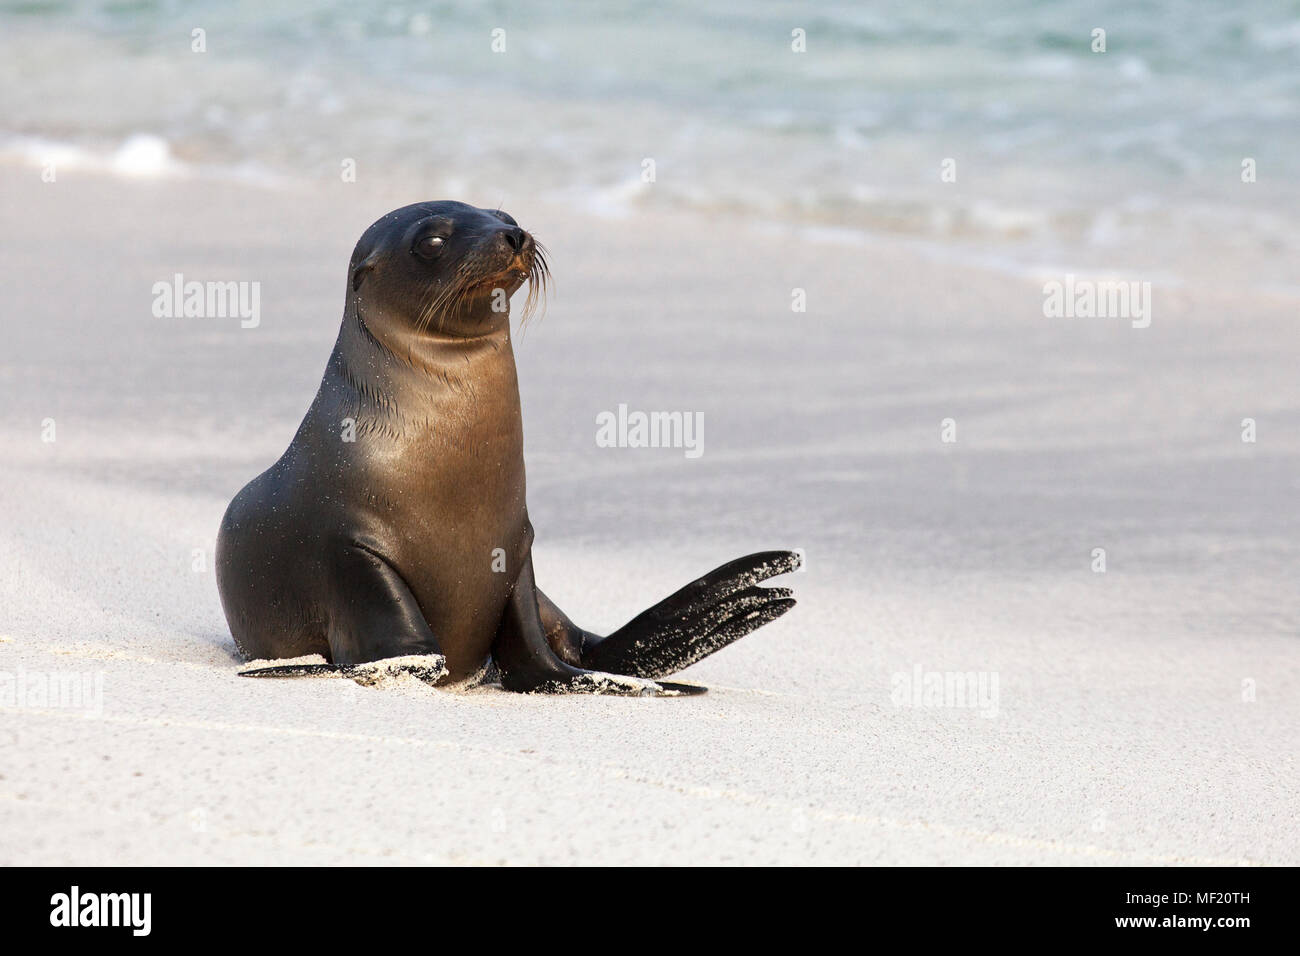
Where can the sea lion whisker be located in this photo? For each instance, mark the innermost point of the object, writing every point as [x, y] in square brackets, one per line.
[539, 278]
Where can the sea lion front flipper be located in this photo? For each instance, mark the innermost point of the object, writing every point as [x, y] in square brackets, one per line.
[705, 616]
[376, 630]
[261, 669]
[670, 689]
[429, 668]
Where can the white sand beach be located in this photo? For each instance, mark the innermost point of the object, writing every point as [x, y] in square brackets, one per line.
[1147, 714]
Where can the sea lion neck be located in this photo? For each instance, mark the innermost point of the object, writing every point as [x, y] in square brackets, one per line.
[442, 346]
[403, 381]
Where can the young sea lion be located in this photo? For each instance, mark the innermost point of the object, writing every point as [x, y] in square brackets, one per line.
[393, 534]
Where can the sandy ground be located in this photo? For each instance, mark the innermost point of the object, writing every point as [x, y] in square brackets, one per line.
[1147, 714]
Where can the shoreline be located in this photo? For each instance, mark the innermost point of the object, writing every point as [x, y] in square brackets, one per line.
[144, 161]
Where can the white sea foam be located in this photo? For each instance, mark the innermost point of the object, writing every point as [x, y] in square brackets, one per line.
[139, 155]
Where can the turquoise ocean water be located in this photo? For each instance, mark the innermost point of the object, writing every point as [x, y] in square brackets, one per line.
[1056, 149]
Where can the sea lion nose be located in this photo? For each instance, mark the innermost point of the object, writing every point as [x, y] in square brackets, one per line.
[514, 237]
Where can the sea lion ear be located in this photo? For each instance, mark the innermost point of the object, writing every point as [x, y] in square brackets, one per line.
[361, 268]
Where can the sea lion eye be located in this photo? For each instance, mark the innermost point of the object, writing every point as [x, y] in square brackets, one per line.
[429, 246]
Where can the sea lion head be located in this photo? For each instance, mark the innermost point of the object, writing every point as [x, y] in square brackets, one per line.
[445, 268]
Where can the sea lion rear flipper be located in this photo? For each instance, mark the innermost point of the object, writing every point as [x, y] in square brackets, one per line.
[528, 664]
[706, 615]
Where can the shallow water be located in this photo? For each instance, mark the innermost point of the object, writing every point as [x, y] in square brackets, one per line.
[1059, 152]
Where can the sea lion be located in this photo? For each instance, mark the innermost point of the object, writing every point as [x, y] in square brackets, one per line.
[393, 534]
